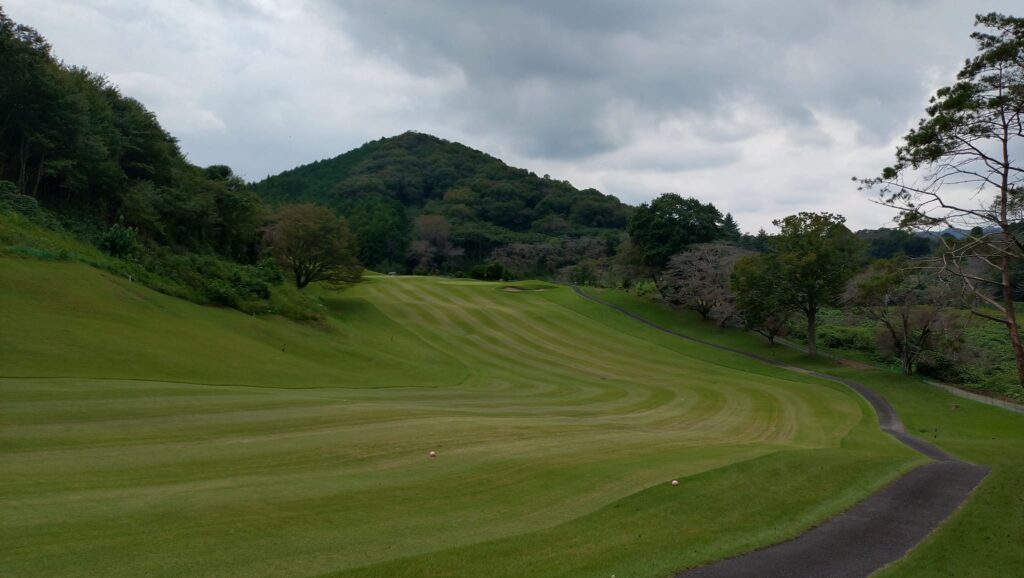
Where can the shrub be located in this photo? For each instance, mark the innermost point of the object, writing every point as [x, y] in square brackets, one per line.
[120, 241]
[25, 206]
[840, 337]
[491, 272]
[942, 367]
[220, 292]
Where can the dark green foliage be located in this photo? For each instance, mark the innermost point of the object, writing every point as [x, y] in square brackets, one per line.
[120, 241]
[384, 185]
[215, 280]
[25, 205]
[669, 224]
[83, 166]
[758, 242]
[315, 245]
[381, 229]
[947, 369]
[815, 255]
[762, 295]
[731, 230]
[584, 273]
[969, 352]
[806, 268]
[889, 243]
[69, 139]
[490, 272]
[847, 337]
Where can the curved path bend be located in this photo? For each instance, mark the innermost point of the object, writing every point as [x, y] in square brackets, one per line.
[877, 531]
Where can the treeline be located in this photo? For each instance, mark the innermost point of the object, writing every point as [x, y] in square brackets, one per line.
[815, 280]
[957, 260]
[79, 157]
[71, 140]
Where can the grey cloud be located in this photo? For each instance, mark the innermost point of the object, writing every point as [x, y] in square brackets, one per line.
[759, 106]
[855, 59]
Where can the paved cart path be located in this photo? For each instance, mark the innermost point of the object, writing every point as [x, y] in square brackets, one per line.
[877, 531]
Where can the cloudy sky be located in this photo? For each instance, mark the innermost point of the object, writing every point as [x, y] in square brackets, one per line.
[763, 107]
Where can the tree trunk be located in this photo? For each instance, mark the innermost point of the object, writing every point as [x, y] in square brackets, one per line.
[812, 333]
[22, 166]
[39, 176]
[908, 364]
[1011, 318]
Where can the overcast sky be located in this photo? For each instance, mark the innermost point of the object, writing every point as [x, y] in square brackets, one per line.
[763, 107]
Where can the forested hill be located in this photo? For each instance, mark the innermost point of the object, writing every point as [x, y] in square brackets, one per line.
[475, 201]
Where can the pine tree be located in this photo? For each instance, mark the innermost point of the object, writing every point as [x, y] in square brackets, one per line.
[730, 230]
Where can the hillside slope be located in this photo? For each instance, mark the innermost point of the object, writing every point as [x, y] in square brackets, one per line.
[558, 424]
[385, 184]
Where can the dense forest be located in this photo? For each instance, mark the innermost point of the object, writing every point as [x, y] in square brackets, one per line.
[72, 141]
[473, 203]
[81, 161]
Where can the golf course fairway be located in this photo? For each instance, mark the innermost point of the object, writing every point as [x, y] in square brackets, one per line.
[144, 435]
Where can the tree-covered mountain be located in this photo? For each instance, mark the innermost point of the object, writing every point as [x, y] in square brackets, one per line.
[73, 142]
[88, 173]
[416, 201]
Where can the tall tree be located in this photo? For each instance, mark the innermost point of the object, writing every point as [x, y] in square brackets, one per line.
[960, 168]
[381, 229]
[815, 256]
[730, 229]
[762, 295]
[669, 224]
[315, 245]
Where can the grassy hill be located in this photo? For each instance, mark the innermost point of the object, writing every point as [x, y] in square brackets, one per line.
[147, 435]
[384, 185]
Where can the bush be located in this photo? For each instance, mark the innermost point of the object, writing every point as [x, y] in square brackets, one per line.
[201, 278]
[220, 292]
[492, 272]
[840, 337]
[25, 206]
[214, 279]
[944, 368]
[120, 241]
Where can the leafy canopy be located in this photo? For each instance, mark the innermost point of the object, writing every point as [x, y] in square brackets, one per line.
[669, 224]
[762, 296]
[806, 268]
[315, 244]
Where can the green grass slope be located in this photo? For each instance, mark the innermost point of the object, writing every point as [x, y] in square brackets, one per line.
[144, 435]
[986, 537]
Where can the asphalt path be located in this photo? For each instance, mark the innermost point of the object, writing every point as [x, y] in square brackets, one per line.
[879, 530]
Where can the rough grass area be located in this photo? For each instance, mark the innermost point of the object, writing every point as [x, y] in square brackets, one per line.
[986, 364]
[203, 279]
[986, 538]
[144, 435]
